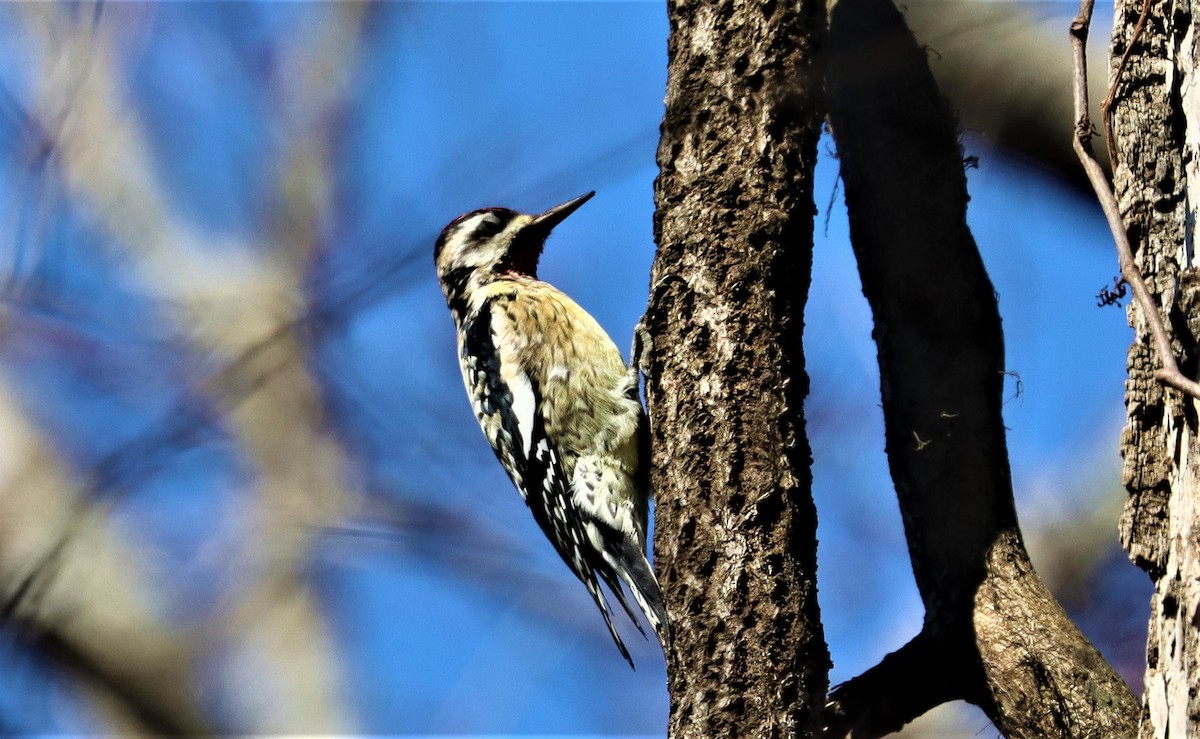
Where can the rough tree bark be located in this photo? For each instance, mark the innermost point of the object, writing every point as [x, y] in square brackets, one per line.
[993, 634]
[736, 526]
[1156, 137]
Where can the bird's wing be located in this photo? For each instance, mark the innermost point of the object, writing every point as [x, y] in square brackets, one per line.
[508, 406]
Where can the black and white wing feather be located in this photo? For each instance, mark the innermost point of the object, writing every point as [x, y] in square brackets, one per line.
[507, 406]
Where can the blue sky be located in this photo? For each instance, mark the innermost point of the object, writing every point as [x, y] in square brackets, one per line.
[452, 107]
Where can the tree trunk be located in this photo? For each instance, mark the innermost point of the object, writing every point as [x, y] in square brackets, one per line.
[993, 633]
[736, 526]
[1155, 121]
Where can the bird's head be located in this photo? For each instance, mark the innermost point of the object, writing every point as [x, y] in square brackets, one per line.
[495, 242]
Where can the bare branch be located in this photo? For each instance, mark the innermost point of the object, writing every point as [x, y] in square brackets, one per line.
[229, 303]
[1111, 97]
[1168, 373]
[932, 669]
[91, 613]
[989, 619]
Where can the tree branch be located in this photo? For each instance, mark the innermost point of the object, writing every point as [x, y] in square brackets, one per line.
[1111, 97]
[932, 669]
[91, 614]
[941, 359]
[1168, 373]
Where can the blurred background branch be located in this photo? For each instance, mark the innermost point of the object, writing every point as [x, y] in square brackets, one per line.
[90, 613]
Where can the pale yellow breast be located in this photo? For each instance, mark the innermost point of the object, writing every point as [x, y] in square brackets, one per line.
[573, 363]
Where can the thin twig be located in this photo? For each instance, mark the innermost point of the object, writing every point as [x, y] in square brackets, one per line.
[1110, 98]
[1168, 373]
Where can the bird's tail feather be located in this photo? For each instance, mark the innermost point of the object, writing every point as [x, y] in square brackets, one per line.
[631, 564]
[593, 587]
[614, 585]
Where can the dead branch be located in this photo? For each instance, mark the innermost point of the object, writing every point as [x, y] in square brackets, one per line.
[1168, 373]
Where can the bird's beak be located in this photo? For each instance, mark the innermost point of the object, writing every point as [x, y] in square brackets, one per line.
[551, 218]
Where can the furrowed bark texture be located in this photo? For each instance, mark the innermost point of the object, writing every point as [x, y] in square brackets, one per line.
[1156, 136]
[993, 634]
[736, 527]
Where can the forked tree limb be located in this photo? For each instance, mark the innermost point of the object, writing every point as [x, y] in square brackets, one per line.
[889, 695]
[993, 633]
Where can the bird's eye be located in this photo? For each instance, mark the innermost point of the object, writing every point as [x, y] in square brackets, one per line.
[488, 227]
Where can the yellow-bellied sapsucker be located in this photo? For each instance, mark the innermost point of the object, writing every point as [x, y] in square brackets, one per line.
[555, 401]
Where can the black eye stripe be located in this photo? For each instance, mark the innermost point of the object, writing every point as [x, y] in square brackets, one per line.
[488, 227]
[494, 221]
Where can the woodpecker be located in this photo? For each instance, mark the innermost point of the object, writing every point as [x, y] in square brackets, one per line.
[555, 401]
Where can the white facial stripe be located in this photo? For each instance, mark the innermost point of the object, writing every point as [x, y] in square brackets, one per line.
[477, 221]
[466, 232]
[467, 247]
